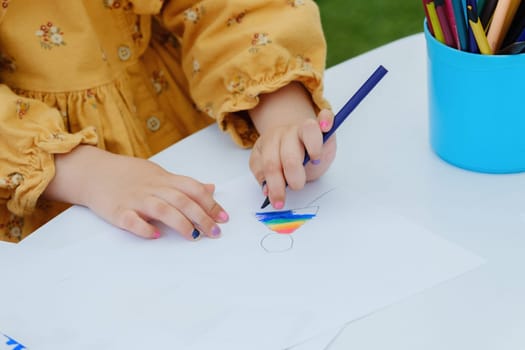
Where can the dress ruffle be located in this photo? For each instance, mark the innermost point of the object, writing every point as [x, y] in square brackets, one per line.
[39, 167]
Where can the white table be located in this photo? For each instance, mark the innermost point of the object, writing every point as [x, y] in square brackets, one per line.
[384, 152]
[388, 149]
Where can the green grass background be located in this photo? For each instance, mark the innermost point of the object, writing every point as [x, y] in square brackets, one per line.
[356, 26]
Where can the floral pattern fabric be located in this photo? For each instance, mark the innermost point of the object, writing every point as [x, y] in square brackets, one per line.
[135, 76]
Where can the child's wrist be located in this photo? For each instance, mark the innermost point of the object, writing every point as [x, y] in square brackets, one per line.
[289, 105]
[72, 180]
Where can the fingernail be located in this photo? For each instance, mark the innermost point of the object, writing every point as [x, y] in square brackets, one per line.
[323, 124]
[155, 235]
[315, 161]
[195, 234]
[215, 231]
[223, 216]
[278, 205]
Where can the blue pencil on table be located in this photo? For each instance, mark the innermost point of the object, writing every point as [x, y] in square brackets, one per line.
[344, 112]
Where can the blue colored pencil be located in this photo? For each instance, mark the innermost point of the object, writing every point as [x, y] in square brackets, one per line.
[472, 43]
[461, 24]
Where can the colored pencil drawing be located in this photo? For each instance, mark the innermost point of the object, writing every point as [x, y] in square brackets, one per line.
[284, 223]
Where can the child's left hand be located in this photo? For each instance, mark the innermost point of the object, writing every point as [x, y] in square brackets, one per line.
[287, 125]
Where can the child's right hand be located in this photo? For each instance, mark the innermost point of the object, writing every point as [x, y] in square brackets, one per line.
[131, 192]
[288, 125]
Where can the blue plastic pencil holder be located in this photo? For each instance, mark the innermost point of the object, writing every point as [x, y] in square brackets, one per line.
[476, 108]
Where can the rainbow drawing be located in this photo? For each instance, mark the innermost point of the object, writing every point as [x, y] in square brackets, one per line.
[287, 221]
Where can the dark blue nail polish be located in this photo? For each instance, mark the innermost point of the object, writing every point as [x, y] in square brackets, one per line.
[316, 161]
[263, 184]
[195, 234]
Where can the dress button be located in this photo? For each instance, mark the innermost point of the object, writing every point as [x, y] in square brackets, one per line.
[124, 52]
[153, 123]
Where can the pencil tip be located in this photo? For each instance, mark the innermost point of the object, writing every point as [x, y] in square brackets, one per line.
[266, 202]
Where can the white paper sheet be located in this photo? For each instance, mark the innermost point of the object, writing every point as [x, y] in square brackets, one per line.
[111, 290]
[5, 246]
[319, 342]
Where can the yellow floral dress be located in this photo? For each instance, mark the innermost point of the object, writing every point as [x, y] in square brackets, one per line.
[135, 76]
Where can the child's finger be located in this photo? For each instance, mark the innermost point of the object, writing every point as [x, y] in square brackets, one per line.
[168, 213]
[276, 191]
[292, 156]
[210, 188]
[216, 211]
[130, 221]
[195, 204]
[273, 173]
[312, 139]
[199, 193]
[326, 120]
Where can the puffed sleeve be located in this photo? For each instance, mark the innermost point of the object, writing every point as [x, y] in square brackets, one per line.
[30, 134]
[234, 50]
